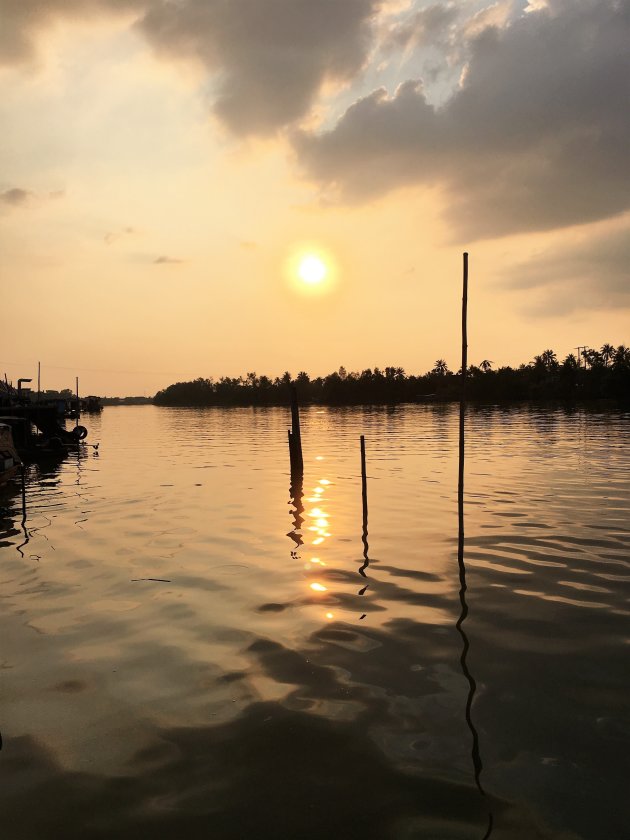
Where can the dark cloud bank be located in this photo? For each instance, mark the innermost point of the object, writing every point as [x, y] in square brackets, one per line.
[536, 138]
[273, 56]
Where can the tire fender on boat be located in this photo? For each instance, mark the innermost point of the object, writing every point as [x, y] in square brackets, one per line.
[79, 432]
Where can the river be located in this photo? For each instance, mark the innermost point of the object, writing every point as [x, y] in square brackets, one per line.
[185, 652]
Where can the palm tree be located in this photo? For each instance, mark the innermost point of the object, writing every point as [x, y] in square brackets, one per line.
[549, 360]
[593, 358]
[486, 365]
[607, 352]
[440, 368]
[571, 362]
[303, 379]
[622, 357]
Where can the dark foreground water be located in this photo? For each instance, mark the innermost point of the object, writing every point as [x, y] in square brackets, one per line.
[180, 657]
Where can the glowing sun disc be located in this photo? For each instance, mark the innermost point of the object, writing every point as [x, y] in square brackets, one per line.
[312, 269]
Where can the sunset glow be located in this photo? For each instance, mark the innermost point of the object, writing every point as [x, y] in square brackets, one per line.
[183, 190]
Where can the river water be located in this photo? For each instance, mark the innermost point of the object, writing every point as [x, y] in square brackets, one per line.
[182, 656]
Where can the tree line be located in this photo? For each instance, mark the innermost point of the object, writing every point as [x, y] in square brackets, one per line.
[595, 374]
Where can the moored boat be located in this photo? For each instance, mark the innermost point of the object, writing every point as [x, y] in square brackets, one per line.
[10, 461]
[91, 405]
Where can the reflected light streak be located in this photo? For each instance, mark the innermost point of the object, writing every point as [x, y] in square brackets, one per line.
[318, 587]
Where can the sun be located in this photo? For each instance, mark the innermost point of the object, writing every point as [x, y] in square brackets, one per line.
[312, 270]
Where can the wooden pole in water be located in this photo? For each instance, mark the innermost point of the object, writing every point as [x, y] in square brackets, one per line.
[464, 326]
[296, 435]
[462, 405]
[364, 481]
[39, 371]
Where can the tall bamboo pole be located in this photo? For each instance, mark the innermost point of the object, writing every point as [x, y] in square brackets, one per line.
[462, 398]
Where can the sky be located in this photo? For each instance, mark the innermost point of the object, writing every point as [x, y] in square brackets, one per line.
[166, 166]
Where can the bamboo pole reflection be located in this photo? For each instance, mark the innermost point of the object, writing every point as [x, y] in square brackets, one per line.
[364, 531]
[296, 495]
[27, 536]
[364, 534]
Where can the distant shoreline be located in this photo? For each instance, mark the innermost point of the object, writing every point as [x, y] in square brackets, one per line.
[594, 403]
[598, 375]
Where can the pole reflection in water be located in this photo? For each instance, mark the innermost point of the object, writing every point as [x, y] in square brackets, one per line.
[296, 494]
[472, 685]
[364, 532]
[27, 536]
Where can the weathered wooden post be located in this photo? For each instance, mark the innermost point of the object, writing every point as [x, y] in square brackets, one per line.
[297, 460]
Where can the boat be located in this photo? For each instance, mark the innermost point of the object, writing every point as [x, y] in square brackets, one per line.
[91, 405]
[38, 428]
[10, 461]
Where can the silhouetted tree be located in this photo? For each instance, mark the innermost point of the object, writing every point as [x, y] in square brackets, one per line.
[607, 352]
[607, 375]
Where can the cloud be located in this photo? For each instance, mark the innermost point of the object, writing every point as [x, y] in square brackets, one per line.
[24, 20]
[113, 235]
[272, 56]
[268, 58]
[592, 273]
[536, 137]
[167, 261]
[15, 196]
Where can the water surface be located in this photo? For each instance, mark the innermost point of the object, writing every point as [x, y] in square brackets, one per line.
[185, 652]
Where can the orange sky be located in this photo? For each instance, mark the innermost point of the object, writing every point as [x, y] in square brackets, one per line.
[156, 179]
